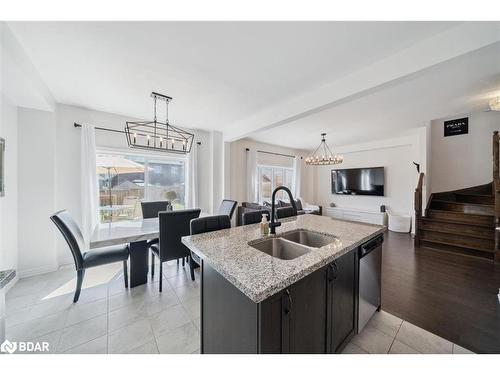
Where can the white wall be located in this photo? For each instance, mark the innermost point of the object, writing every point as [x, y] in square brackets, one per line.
[8, 203]
[23, 238]
[396, 156]
[463, 161]
[217, 167]
[205, 166]
[36, 199]
[237, 172]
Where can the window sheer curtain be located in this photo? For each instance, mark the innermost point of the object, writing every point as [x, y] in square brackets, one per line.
[297, 172]
[90, 195]
[252, 182]
[192, 178]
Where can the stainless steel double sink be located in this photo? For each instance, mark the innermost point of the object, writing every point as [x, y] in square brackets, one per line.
[293, 244]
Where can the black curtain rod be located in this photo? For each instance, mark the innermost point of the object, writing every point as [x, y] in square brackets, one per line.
[77, 125]
[274, 153]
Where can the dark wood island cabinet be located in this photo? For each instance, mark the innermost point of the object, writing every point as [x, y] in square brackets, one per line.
[317, 314]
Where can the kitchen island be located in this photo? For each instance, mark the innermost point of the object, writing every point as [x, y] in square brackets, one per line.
[280, 296]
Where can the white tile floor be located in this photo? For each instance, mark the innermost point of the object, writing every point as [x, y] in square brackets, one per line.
[111, 319]
[387, 334]
[108, 318]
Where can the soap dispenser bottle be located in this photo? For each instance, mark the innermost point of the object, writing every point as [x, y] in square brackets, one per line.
[264, 225]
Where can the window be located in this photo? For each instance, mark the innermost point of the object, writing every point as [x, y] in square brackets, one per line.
[125, 180]
[271, 177]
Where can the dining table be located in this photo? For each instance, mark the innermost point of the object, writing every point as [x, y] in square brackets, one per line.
[136, 233]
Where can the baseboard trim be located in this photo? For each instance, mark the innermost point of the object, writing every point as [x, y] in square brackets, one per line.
[36, 271]
[66, 260]
[44, 269]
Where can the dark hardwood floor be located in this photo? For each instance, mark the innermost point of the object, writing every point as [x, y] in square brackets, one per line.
[449, 295]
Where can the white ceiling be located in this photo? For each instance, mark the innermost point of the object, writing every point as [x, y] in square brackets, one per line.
[455, 87]
[219, 73]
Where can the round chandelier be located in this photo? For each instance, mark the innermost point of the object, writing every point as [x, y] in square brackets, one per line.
[325, 156]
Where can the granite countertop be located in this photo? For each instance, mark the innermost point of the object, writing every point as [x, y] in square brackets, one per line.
[259, 275]
[6, 276]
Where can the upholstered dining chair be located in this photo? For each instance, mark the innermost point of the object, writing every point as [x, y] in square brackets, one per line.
[150, 210]
[91, 258]
[253, 217]
[203, 225]
[227, 207]
[173, 226]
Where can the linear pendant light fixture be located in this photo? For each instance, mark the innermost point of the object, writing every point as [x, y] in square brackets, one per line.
[325, 156]
[156, 135]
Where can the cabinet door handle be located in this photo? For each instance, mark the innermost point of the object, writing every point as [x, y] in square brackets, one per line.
[288, 307]
[332, 272]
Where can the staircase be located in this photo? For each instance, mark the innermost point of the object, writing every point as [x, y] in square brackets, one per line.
[462, 221]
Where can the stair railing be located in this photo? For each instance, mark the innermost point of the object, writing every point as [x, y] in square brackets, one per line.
[418, 208]
[496, 191]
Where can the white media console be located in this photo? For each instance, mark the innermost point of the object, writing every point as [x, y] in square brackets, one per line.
[356, 214]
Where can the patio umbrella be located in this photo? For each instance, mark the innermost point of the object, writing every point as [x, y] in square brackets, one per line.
[105, 164]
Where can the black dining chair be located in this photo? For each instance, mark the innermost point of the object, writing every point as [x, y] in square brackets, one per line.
[150, 210]
[173, 226]
[287, 211]
[253, 217]
[203, 225]
[91, 258]
[227, 207]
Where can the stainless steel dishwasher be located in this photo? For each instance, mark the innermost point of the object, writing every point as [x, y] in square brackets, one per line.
[370, 273]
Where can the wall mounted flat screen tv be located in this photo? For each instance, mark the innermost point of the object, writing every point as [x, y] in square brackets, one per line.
[358, 181]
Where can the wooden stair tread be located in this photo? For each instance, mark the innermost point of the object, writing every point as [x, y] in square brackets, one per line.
[475, 198]
[463, 203]
[484, 255]
[460, 217]
[476, 195]
[457, 244]
[490, 236]
[461, 207]
[458, 222]
[459, 213]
